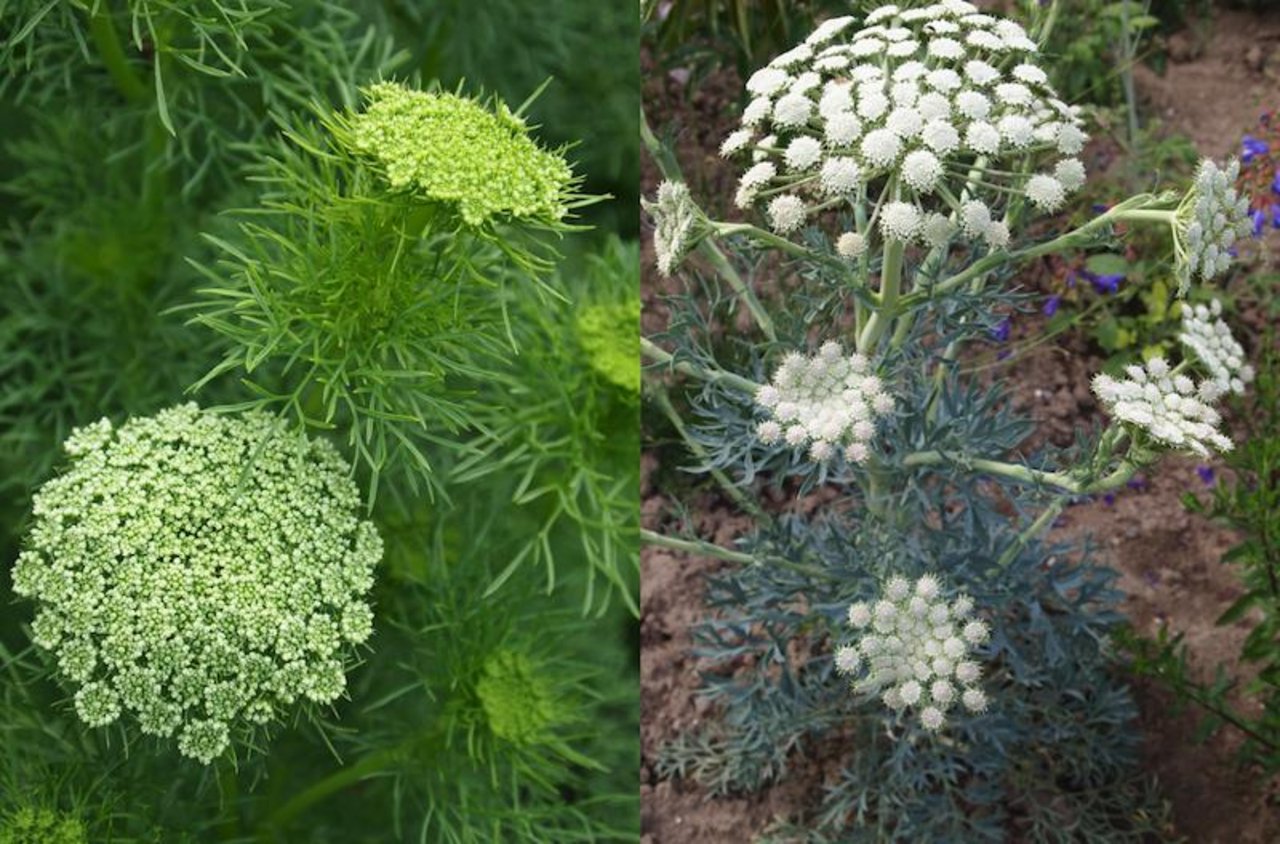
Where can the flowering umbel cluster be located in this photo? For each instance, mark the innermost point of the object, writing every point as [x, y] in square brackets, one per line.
[1209, 338]
[30, 824]
[454, 150]
[914, 650]
[677, 224]
[941, 103]
[830, 402]
[1168, 406]
[1211, 218]
[198, 572]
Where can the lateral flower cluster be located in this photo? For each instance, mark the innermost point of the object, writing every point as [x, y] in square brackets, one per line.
[942, 100]
[830, 402]
[915, 650]
[1210, 219]
[199, 573]
[452, 149]
[1209, 338]
[677, 224]
[1170, 407]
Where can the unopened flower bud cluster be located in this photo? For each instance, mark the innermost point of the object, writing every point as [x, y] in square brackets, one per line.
[676, 225]
[915, 650]
[197, 573]
[829, 402]
[1171, 408]
[1212, 217]
[918, 94]
[455, 150]
[1209, 338]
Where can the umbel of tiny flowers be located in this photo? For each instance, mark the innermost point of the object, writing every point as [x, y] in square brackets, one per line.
[830, 402]
[30, 824]
[940, 108]
[1211, 218]
[678, 224]
[914, 650]
[1209, 339]
[1166, 405]
[454, 150]
[198, 573]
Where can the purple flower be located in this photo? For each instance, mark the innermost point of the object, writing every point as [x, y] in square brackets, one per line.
[1002, 331]
[1275, 216]
[1110, 499]
[1275, 183]
[1071, 279]
[1103, 284]
[1101, 208]
[1251, 148]
[1138, 483]
[1051, 305]
[1206, 475]
[1259, 221]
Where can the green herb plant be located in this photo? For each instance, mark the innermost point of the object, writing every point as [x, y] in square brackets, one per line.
[318, 440]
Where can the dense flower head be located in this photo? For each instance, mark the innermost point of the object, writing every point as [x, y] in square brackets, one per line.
[925, 95]
[676, 225]
[609, 334]
[1209, 338]
[1211, 218]
[518, 702]
[198, 572]
[1169, 407]
[915, 650]
[30, 824]
[830, 402]
[455, 150]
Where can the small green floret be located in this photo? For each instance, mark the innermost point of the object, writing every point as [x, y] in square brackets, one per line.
[40, 825]
[609, 334]
[454, 150]
[198, 573]
[517, 701]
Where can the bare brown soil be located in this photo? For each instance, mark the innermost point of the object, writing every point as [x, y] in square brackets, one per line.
[1168, 559]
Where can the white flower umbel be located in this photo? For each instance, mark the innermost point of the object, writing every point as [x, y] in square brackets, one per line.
[915, 649]
[1211, 218]
[830, 402]
[676, 225]
[1172, 409]
[944, 102]
[1209, 338]
[199, 574]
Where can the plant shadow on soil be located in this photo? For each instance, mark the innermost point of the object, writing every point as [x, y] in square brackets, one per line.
[1168, 559]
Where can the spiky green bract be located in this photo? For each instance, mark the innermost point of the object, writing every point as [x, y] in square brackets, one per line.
[479, 716]
[199, 574]
[352, 305]
[454, 150]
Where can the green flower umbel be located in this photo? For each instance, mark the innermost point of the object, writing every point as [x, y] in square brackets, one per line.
[608, 334]
[455, 150]
[198, 573]
[38, 825]
[518, 702]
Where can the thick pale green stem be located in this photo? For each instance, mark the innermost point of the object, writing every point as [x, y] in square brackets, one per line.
[111, 51]
[1042, 521]
[657, 354]
[890, 288]
[1062, 480]
[695, 546]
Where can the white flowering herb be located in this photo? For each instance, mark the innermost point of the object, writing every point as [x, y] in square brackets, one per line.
[930, 105]
[915, 649]
[1209, 338]
[1211, 218]
[199, 574]
[830, 402]
[1167, 406]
